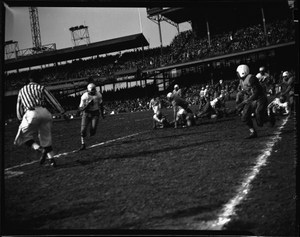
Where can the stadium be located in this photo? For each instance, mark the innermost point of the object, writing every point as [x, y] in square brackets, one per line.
[133, 178]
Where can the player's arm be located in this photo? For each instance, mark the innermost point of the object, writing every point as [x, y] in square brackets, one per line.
[289, 87]
[240, 87]
[286, 108]
[151, 104]
[271, 104]
[20, 109]
[175, 108]
[159, 105]
[84, 103]
[53, 102]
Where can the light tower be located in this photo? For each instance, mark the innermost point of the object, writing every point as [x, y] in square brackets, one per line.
[35, 29]
[78, 34]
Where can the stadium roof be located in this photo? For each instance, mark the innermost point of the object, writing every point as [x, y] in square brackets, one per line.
[213, 10]
[98, 48]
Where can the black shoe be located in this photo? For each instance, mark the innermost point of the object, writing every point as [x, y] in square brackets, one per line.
[82, 147]
[252, 135]
[272, 119]
[53, 163]
[44, 155]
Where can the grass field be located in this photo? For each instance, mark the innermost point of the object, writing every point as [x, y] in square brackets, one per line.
[132, 177]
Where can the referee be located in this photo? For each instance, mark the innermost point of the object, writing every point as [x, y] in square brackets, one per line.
[35, 118]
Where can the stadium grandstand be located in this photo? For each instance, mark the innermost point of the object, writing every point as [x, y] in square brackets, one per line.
[222, 36]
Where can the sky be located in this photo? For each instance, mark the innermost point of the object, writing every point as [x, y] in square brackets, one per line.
[103, 24]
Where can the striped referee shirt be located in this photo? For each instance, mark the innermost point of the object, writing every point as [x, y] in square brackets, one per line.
[33, 95]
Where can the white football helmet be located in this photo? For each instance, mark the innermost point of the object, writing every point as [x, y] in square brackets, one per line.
[259, 76]
[262, 69]
[243, 70]
[169, 95]
[91, 88]
[285, 74]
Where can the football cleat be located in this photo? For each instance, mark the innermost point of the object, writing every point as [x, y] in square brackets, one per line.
[252, 135]
[272, 119]
[53, 163]
[82, 147]
[44, 155]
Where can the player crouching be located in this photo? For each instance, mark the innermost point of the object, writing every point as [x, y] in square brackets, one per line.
[279, 106]
[184, 118]
[213, 109]
[160, 121]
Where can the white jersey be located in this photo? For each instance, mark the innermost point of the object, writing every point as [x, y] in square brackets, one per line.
[181, 111]
[86, 100]
[278, 105]
[155, 105]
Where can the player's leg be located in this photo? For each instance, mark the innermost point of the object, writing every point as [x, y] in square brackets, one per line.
[262, 113]
[247, 120]
[94, 124]
[85, 121]
[45, 135]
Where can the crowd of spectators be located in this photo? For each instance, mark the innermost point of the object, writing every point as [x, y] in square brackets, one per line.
[186, 46]
[115, 102]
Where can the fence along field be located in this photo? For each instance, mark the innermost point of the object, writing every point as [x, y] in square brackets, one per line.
[133, 177]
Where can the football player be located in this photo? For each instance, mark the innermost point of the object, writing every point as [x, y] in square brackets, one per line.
[279, 106]
[90, 105]
[211, 108]
[176, 102]
[287, 88]
[184, 118]
[158, 119]
[255, 101]
[177, 91]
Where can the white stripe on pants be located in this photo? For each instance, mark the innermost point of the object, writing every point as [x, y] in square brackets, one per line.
[33, 122]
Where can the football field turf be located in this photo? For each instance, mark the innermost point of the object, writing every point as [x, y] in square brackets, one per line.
[132, 177]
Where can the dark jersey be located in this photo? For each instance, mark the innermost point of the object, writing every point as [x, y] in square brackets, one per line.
[252, 88]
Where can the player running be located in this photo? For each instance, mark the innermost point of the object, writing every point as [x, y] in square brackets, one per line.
[90, 106]
[255, 101]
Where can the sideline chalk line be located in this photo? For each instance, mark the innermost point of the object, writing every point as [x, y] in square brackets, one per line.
[228, 209]
[67, 153]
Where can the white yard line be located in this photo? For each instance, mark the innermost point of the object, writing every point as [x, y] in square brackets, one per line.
[67, 153]
[228, 210]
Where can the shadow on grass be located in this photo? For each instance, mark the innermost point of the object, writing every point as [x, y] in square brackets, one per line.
[85, 161]
[178, 215]
[39, 221]
[240, 225]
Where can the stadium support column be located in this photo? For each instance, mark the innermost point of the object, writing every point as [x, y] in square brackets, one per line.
[143, 62]
[160, 36]
[208, 32]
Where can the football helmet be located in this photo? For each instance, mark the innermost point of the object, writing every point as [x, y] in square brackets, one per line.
[169, 95]
[285, 74]
[91, 88]
[242, 70]
[259, 76]
[262, 69]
